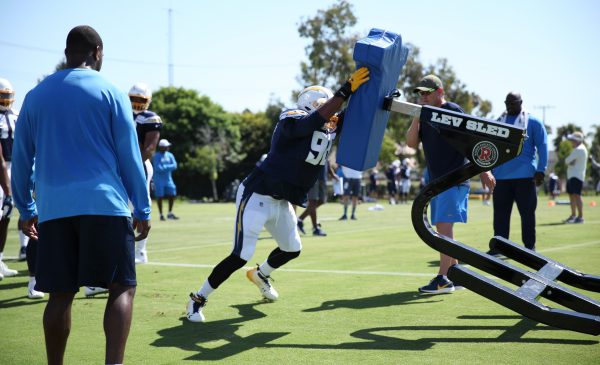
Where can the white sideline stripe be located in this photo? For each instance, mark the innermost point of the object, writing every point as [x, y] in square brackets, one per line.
[568, 247]
[342, 272]
[560, 248]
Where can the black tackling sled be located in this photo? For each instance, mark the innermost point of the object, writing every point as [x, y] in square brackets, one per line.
[488, 144]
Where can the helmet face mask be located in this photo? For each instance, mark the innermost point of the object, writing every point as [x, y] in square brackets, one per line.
[7, 95]
[312, 97]
[140, 97]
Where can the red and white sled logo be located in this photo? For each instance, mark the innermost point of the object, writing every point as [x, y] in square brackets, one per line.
[485, 154]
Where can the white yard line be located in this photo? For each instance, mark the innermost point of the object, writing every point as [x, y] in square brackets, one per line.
[341, 272]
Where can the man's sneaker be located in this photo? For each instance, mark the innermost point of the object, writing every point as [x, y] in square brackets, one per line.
[353, 217]
[438, 285]
[32, 293]
[570, 220]
[300, 225]
[494, 253]
[141, 257]
[90, 291]
[578, 220]
[5, 271]
[343, 218]
[319, 232]
[263, 284]
[194, 308]
[172, 216]
[162, 218]
[23, 253]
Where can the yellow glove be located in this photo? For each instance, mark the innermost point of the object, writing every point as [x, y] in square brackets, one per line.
[358, 78]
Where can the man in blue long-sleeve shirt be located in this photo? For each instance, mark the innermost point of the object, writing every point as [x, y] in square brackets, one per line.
[517, 179]
[164, 187]
[79, 130]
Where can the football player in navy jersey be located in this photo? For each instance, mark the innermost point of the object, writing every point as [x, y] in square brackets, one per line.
[299, 148]
[148, 126]
[7, 126]
[451, 205]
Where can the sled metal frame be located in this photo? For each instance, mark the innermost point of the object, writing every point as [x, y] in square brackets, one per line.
[583, 313]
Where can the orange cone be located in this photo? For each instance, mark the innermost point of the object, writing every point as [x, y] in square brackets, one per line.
[593, 203]
[551, 203]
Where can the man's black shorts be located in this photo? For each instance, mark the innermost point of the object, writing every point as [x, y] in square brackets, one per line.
[87, 250]
[574, 186]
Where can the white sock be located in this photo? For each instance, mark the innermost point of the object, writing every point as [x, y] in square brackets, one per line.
[206, 289]
[23, 239]
[31, 282]
[141, 245]
[445, 277]
[266, 269]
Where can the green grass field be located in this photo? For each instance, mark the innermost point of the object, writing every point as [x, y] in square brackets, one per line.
[350, 298]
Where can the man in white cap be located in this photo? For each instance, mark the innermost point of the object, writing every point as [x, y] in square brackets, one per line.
[576, 164]
[164, 187]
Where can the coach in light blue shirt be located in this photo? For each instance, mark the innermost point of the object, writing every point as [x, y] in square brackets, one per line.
[78, 127]
[516, 180]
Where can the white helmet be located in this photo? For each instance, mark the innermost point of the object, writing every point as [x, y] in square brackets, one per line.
[7, 94]
[140, 96]
[311, 98]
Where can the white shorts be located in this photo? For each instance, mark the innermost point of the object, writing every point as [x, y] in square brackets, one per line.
[257, 211]
[405, 186]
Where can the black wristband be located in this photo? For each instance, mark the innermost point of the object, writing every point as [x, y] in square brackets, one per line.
[345, 91]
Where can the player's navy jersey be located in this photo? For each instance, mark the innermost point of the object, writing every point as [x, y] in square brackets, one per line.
[299, 149]
[7, 128]
[145, 122]
[441, 157]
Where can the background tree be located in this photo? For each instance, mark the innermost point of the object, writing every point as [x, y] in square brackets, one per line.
[595, 152]
[205, 138]
[330, 46]
[562, 133]
[563, 150]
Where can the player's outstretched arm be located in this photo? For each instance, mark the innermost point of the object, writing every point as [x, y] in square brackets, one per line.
[334, 104]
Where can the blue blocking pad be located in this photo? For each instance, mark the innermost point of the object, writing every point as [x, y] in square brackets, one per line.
[365, 121]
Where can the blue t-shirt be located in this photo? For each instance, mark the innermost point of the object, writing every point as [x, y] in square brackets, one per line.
[164, 164]
[440, 156]
[79, 129]
[534, 154]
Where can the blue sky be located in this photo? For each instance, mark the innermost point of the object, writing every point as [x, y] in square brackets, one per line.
[241, 53]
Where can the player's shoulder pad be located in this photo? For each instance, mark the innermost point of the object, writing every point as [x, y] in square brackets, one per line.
[148, 117]
[292, 113]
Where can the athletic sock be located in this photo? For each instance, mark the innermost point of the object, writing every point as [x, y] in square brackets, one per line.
[205, 290]
[141, 245]
[23, 239]
[266, 269]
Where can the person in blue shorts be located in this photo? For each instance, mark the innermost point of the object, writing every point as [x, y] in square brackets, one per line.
[78, 128]
[450, 206]
[164, 187]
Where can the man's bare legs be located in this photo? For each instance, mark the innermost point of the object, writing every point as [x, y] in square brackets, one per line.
[57, 326]
[117, 321]
[447, 230]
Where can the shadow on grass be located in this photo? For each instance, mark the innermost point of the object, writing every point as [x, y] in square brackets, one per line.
[190, 336]
[379, 301]
[377, 338]
[20, 301]
[551, 224]
[218, 340]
